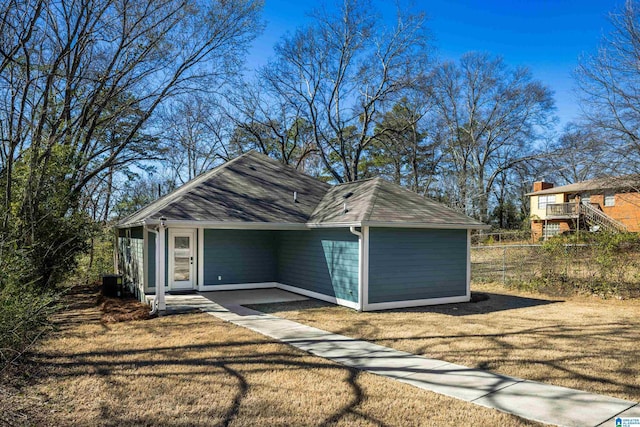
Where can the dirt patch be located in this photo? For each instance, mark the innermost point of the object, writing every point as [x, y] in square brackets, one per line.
[123, 309]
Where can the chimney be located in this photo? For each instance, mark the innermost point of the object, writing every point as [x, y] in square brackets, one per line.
[541, 185]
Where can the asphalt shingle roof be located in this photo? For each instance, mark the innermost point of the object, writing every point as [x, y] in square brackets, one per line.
[254, 188]
[378, 201]
[250, 188]
[625, 182]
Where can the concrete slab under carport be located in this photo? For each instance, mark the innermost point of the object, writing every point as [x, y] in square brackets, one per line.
[536, 401]
[252, 296]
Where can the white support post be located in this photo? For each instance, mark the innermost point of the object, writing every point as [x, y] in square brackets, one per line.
[365, 267]
[468, 293]
[160, 263]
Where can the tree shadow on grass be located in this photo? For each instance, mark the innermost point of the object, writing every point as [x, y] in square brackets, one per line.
[193, 365]
[236, 358]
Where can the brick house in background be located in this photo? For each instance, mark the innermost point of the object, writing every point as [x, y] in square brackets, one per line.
[611, 204]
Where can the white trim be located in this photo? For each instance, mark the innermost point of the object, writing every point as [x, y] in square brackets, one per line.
[365, 267]
[200, 257]
[334, 300]
[469, 264]
[333, 224]
[439, 226]
[415, 303]
[237, 286]
[229, 225]
[192, 270]
[316, 295]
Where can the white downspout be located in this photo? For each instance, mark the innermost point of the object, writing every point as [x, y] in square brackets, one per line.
[360, 268]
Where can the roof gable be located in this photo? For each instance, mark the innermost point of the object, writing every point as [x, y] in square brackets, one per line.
[381, 202]
[250, 188]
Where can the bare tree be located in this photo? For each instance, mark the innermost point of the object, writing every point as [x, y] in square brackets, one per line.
[269, 123]
[491, 117]
[194, 134]
[609, 79]
[582, 152]
[80, 81]
[609, 82]
[341, 71]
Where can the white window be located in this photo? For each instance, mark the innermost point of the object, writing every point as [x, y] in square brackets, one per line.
[543, 201]
[609, 199]
[586, 198]
[551, 229]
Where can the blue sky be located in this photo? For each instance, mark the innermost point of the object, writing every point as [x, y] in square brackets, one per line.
[547, 36]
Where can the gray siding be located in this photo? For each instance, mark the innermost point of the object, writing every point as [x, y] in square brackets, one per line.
[411, 264]
[131, 256]
[323, 261]
[151, 251]
[239, 256]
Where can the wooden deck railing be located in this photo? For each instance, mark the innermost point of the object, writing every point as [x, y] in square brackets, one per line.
[590, 213]
[562, 210]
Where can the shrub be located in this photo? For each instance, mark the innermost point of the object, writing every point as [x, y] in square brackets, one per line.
[23, 318]
[98, 260]
[605, 264]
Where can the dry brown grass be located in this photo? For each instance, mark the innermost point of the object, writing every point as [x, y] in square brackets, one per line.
[194, 369]
[580, 342]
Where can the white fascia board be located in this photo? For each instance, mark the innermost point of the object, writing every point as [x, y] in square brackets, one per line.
[227, 225]
[415, 303]
[333, 224]
[443, 226]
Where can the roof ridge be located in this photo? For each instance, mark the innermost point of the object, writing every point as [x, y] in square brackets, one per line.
[356, 182]
[374, 199]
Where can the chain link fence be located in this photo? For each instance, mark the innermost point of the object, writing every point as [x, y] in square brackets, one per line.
[560, 268]
[504, 237]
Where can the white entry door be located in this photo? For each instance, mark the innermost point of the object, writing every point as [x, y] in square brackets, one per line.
[181, 259]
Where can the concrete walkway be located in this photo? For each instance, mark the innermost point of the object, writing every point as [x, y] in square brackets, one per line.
[528, 399]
